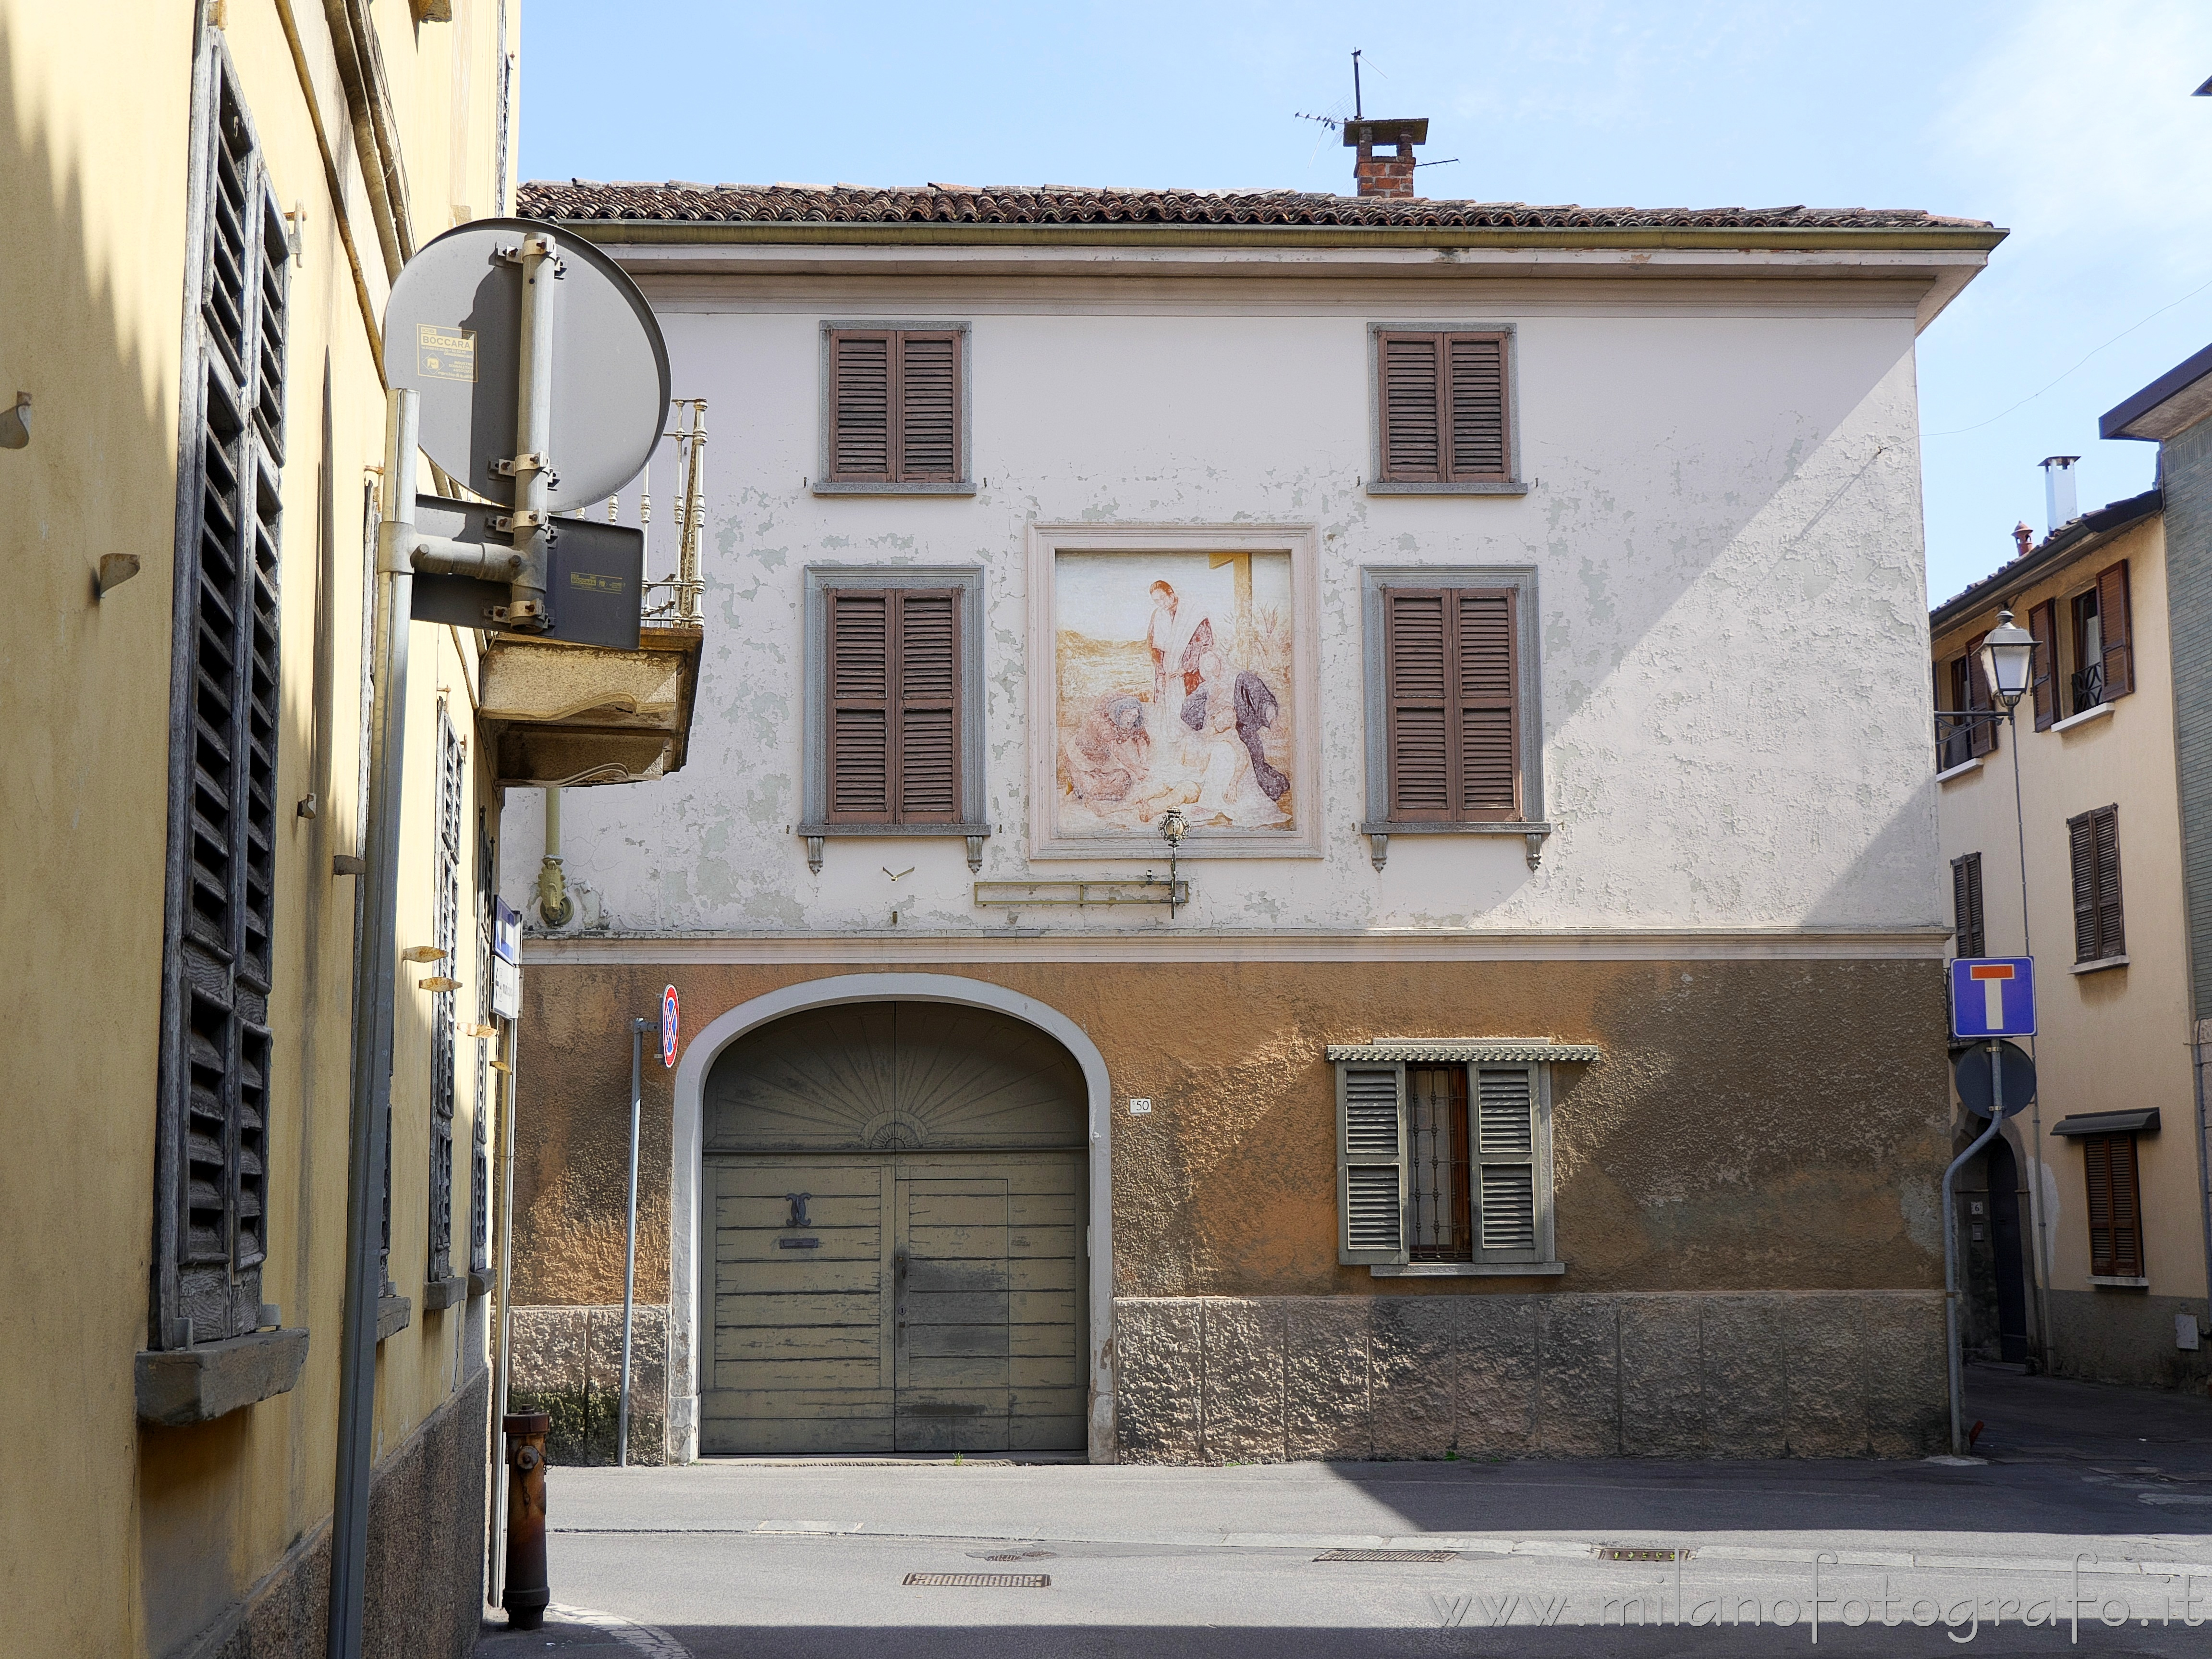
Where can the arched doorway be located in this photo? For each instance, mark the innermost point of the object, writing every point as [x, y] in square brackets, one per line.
[894, 1203]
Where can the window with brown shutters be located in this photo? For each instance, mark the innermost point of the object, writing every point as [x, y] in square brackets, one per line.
[2093, 840]
[2115, 1208]
[1966, 905]
[1452, 684]
[896, 406]
[211, 1202]
[894, 706]
[1981, 734]
[1441, 402]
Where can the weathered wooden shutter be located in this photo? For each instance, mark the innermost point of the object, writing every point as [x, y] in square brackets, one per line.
[1371, 1162]
[213, 1138]
[1488, 786]
[1451, 678]
[928, 385]
[860, 706]
[1409, 404]
[861, 411]
[2113, 623]
[1966, 904]
[894, 678]
[1417, 667]
[926, 735]
[2111, 932]
[1979, 699]
[1508, 1202]
[2115, 1207]
[2043, 622]
[444, 1048]
[1481, 436]
[2081, 853]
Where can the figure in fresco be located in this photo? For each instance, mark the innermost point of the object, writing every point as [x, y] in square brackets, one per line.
[1174, 638]
[1110, 752]
[1221, 773]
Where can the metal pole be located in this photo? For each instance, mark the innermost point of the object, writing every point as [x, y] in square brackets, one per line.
[630, 1238]
[531, 467]
[2039, 1258]
[1951, 1252]
[511, 1054]
[376, 973]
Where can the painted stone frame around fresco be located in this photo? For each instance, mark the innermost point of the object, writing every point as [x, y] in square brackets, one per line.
[1302, 543]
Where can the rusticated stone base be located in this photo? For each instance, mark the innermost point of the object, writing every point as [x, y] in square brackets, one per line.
[424, 1586]
[1772, 1374]
[567, 1363]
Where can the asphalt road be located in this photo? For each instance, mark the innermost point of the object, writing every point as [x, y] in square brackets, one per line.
[2088, 1527]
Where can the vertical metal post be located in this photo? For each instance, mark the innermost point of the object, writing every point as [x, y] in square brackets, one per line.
[533, 424]
[630, 1238]
[375, 972]
[1952, 1361]
[511, 1052]
[2039, 1252]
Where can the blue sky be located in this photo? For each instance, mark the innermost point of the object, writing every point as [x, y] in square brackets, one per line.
[2067, 121]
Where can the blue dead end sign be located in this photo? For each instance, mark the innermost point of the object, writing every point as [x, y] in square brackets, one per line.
[668, 1026]
[1993, 997]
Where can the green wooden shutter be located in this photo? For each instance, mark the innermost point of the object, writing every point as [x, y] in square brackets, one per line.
[1371, 1162]
[1511, 1200]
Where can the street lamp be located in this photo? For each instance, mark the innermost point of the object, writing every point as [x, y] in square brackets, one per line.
[1173, 828]
[2008, 660]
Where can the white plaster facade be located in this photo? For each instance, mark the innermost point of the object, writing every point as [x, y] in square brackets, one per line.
[1724, 516]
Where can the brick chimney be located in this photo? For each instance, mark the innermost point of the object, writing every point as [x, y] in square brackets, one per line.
[1385, 175]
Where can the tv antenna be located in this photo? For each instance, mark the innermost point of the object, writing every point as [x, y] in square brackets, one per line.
[1359, 110]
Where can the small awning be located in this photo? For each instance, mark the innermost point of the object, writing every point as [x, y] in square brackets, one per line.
[2108, 1123]
[1464, 1051]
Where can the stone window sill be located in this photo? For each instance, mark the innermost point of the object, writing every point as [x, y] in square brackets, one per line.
[871, 487]
[1473, 487]
[1958, 771]
[444, 1293]
[974, 833]
[198, 1384]
[1533, 832]
[479, 1282]
[2099, 965]
[1471, 1270]
[2106, 1282]
[394, 1315]
[2102, 711]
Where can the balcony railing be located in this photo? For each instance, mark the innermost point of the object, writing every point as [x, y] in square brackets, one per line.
[2087, 688]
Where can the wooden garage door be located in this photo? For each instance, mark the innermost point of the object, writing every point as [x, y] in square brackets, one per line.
[898, 1298]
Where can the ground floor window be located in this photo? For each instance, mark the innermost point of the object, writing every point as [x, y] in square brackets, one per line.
[2110, 1165]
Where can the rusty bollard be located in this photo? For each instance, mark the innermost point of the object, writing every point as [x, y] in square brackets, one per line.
[526, 1591]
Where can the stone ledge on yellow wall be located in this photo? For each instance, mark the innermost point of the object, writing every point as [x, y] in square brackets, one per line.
[198, 1384]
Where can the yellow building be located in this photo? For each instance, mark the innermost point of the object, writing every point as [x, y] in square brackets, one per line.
[205, 207]
[2082, 1230]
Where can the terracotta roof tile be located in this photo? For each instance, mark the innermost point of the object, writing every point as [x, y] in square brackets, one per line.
[1064, 204]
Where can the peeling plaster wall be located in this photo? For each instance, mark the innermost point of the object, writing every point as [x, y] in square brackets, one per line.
[1725, 520]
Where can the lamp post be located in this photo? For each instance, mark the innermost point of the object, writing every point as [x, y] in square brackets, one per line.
[1173, 828]
[2007, 666]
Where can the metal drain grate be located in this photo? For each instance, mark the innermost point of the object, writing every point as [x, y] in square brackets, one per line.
[1632, 1553]
[1388, 1555]
[980, 1580]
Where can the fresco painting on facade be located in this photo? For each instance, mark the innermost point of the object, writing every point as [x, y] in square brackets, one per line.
[1174, 677]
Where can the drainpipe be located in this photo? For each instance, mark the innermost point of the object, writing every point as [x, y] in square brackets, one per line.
[553, 901]
[512, 1052]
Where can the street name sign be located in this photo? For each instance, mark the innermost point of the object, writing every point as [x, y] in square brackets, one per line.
[1992, 997]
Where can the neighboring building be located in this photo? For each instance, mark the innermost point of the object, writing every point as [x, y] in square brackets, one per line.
[2083, 1225]
[206, 205]
[1521, 607]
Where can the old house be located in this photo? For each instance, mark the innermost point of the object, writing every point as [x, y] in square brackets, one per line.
[1307, 835]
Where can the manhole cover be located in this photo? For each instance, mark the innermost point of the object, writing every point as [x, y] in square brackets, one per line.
[980, 1580]
[1388, 1555]
[1013, 1555]
[1637, 1553]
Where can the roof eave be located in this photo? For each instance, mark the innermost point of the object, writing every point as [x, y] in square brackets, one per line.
[2052, 556]
[2166, 406]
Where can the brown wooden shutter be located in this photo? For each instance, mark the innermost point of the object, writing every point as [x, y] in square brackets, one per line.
[1411, 407]
[1979, 700]
[928, 387]
[1480, 439]
[2113, 623]
[2111, 934]
[1416, 628]
[1488, 786]
[927, 657]
[2043, 622]
[2115, 1195]
[2081, 849]
[860, 690]
[860, 405]
[1966, 904]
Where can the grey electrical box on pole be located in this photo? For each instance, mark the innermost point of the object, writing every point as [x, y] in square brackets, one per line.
[525, 364]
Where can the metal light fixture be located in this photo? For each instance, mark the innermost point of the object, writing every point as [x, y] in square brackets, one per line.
[1173, 828]
[2007, 660]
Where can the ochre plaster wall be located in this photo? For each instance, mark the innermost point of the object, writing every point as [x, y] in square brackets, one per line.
[1753, 1126]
